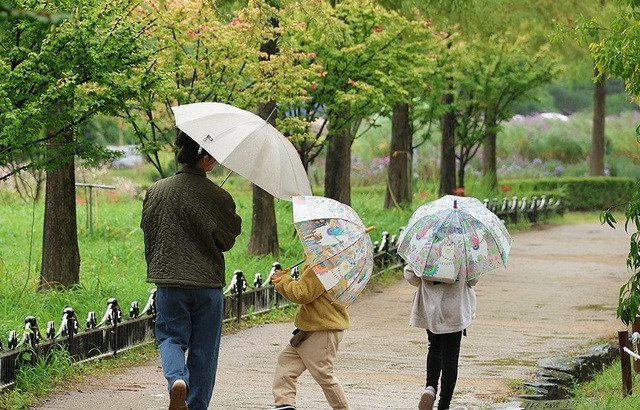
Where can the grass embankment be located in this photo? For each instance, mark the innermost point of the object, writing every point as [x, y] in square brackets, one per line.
[112, 257]
[605, 392]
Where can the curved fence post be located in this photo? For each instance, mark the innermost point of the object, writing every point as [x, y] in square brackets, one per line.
[71, 325]
[635, 328]
[240, 284]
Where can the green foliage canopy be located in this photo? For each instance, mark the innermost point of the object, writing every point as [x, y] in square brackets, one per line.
[367, 59]
[202, 55]
[54, 77]
[493, 75]
[615, 51]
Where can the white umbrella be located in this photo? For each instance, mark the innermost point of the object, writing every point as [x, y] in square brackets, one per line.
[246, 144]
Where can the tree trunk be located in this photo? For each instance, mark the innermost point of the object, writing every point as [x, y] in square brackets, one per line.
[264, 230]
[399, 174]
[461, 170]
[60, 252]
[337, 176]
[264, 233]
[448, 148]
[489, 170]
[596, 161]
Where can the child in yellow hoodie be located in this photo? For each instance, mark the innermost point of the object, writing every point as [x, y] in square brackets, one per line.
[319, 323]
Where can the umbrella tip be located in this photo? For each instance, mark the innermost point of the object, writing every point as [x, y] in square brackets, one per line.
[371, 228]
[455, 204]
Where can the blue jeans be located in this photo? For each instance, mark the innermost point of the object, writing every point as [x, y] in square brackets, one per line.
[190, 319]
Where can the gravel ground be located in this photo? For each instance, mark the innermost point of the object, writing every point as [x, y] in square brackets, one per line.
[557, 295]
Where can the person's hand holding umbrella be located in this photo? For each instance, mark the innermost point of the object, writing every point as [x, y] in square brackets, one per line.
[278, 274]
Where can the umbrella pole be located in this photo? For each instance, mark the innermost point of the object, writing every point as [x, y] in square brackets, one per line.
[272, 112]
[297, 264]
[225, 178]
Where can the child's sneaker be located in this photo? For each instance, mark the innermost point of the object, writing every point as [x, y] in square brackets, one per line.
[427, 399]
[178, 395]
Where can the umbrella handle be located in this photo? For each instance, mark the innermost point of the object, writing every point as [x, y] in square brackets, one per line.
[285, 271]
[371, 228]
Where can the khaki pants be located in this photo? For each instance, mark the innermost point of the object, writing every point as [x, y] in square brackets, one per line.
[315, 354]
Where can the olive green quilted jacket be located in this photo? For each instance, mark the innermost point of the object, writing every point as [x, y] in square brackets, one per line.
[188, 221]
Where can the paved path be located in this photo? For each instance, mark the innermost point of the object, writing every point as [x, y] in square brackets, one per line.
[558, 294]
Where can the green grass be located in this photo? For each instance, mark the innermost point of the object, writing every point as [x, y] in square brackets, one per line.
[605, 391]
[112, 258]
[37, 380]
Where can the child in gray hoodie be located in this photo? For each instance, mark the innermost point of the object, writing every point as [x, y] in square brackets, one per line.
[445, 310]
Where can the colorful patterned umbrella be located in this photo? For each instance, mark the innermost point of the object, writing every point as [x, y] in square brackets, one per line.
[453, 238]
[336, 245]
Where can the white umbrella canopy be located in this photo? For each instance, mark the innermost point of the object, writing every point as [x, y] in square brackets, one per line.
[247, 145]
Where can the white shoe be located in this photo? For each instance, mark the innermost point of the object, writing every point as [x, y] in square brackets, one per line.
[427, 399]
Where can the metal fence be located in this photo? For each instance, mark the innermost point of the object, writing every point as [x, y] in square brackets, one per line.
[533, 209]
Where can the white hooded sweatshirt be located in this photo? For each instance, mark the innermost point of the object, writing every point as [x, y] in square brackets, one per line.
[441, 307]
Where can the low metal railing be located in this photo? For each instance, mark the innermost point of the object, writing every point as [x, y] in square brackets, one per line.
[533, 209]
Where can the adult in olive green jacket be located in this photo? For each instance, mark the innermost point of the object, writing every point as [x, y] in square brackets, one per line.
[188, 222]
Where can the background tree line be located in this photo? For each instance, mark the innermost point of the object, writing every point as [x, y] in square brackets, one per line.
[459, 67]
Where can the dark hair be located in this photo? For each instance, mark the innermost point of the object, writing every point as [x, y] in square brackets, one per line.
[188, 150]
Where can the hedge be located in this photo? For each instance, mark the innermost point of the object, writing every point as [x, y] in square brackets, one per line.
[577, 194]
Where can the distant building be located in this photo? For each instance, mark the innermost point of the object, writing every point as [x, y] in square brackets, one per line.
[130, 158]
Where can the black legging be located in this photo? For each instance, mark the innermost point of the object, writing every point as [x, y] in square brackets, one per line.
[444, 350]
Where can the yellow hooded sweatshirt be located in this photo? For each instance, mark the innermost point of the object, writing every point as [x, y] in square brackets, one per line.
[317, 310]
